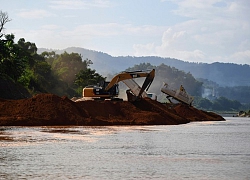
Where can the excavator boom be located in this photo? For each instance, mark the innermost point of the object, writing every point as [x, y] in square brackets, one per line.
[130, 75]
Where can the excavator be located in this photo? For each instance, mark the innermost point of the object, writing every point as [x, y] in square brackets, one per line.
[110, 90]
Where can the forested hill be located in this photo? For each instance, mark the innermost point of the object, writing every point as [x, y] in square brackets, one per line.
[224, 74]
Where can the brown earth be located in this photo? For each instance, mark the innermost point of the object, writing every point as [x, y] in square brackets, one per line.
[49, 109]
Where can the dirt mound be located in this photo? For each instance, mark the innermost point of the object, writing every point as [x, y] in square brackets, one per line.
[42, 109]
[49, 109]
[193, 114]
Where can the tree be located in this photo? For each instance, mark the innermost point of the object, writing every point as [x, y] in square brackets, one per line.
[226, 104]
[205, 103]
[12, 60]
[141, 66]
[48, 72]
[65, 66]
[87, 77]
[217, 106]
[4, 18]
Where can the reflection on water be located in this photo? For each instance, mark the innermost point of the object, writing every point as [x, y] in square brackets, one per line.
[201, 150]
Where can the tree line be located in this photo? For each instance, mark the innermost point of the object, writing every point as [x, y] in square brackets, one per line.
[61, 74]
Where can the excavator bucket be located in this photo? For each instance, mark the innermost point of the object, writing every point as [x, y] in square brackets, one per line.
[147, 83]
[136, 92]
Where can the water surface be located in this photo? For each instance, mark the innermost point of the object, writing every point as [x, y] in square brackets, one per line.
[200, 150]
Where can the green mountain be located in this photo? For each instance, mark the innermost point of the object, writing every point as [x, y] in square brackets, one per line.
[224, 74]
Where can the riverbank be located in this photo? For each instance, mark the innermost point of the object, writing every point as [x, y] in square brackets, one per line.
[49, 110]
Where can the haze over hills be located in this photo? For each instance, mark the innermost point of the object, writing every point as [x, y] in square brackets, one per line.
[224, 74]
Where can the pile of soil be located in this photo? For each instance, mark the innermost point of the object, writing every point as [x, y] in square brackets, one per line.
[49, 109]
[194, 114]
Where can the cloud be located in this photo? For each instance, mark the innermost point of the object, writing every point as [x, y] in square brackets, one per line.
[206, 31]
[50, 27]
[47, 36]
[95, 30]
[173, 44]
[216, 30]
[170, 37]
[89, 35]
[240, 57]
[79, 4]
[146, 49]
[112, 30]
[35, 14]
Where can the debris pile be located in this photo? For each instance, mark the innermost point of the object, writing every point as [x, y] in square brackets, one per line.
[49, 110]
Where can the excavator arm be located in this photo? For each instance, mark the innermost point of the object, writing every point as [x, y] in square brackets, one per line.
[147, 83]
[135, 92]
[130, 75]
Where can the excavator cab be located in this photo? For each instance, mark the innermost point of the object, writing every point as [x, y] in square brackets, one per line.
[100, 92]
[113, 91]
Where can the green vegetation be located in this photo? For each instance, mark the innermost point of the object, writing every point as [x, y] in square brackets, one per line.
[68, 70]
[241, 93]
[48, 72]
[172, 76]
[87, 77]
[45, 73]
[219, 104]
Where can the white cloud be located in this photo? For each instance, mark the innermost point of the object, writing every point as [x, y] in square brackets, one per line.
[147, 49]
[86, 34]
[95, 30]
[171, 38]
[206, 31]
[242, 57]
[50, 27]
[171, 46]
[35, 14]
[215, 32]
[79, 4]
[112, 30]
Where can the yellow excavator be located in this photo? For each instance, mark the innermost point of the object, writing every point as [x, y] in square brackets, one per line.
[110, 90]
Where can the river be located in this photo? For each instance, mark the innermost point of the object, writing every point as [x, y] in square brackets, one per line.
[198, 150]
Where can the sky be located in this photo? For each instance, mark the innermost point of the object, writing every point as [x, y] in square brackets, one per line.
[190, 30]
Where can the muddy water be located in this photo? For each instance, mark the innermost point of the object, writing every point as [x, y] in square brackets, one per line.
[201, 150]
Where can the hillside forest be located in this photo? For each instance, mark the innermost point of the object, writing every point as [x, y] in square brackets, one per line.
[24, 73]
